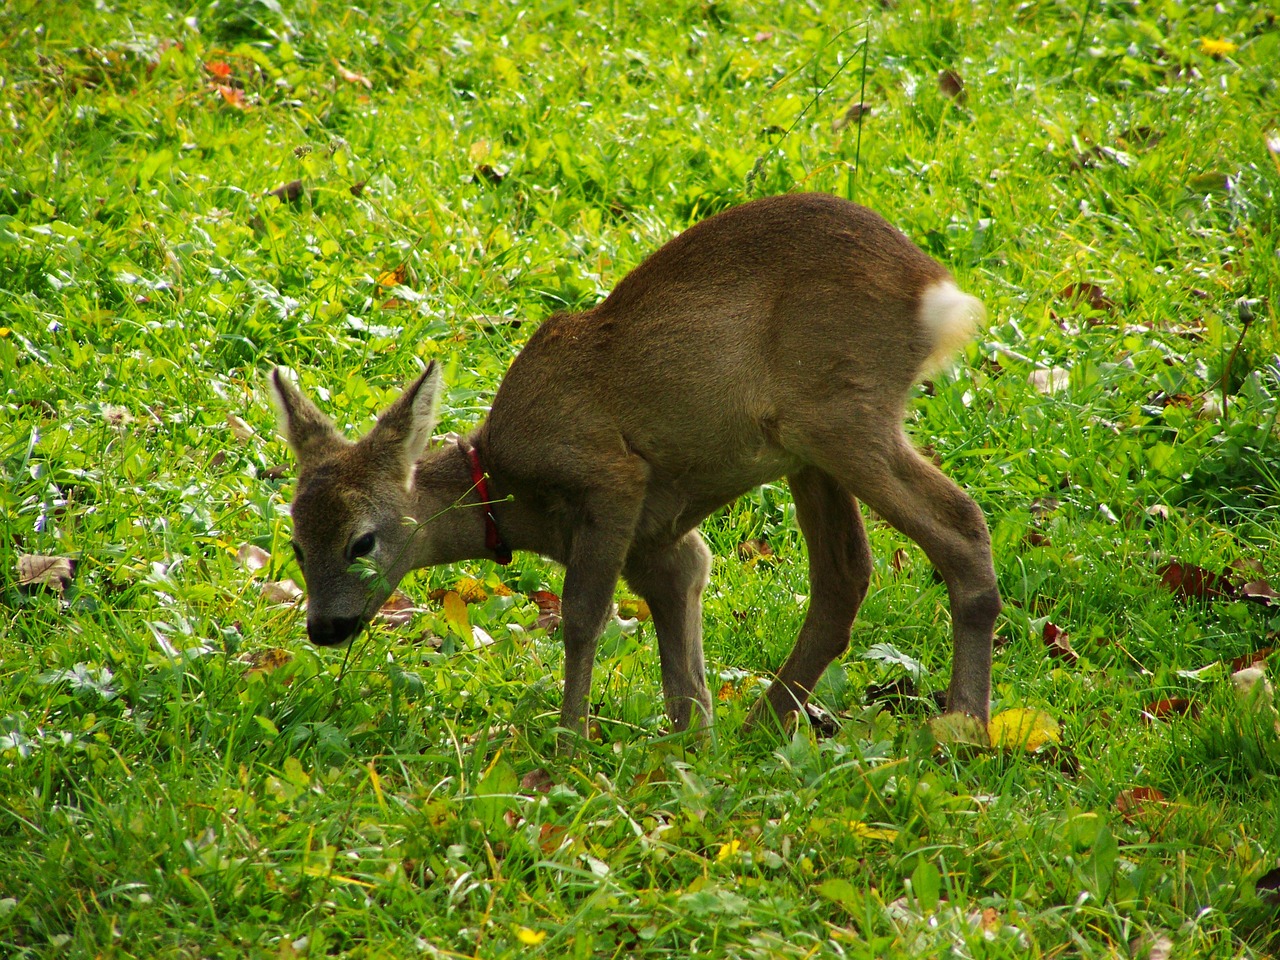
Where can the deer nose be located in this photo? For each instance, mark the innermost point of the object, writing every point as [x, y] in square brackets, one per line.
[333, 631]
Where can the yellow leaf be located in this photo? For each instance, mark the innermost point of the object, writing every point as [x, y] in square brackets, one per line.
[1217, 48]
[530, 938]
[869, 832]
[1023, 729]
[455, 612]
[633, 610]
[953, 728]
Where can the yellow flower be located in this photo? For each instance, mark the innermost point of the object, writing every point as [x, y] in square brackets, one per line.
[530, 938]
[1217, 48]
[868, 832]
[728, 850]
[5, 331]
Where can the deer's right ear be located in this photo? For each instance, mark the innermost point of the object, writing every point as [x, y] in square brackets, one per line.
[310, 434]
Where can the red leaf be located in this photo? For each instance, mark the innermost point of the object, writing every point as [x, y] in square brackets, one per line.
[1170, 707]
[1250, 659]
[537, 781]
[1195, 583]
[218, 68]
[1058, 644]
[1130, 802]
[232, 95]
[548, 610]
[1259, 591]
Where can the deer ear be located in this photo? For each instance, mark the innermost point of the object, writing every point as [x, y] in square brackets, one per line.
[311, 435]
[405, 427]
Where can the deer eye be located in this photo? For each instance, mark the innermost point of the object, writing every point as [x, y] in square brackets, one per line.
[362, 547]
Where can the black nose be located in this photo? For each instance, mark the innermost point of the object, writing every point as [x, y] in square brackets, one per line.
[330, 633]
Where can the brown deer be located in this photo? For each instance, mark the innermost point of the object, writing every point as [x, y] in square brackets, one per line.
[778, 338]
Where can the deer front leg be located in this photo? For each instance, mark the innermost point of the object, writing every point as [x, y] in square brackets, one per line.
[671, 579]
[598, 548]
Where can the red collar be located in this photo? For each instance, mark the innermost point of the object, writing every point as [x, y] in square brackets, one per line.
[492, 539]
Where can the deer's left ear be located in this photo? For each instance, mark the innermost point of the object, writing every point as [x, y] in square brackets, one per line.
[405, 427]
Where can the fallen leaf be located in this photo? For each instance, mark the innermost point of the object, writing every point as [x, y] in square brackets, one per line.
[551, 837]
[823, 723]
[960, 728]
[1035, 538]
[232, 95]
[218, 68]
[35, 571]
[357, 188]
[630, 609]
[1170, 707]
[537, 781]
[1049, 381]
[899, 560]
[281, 591]
[252, 557]
[1250, 659]
[398, 610]
[1058, 643]
[395, 277]
[1090, 293]
[455, 614]
[548, 610]
[1269, 885]
[1259, 591]
[1130, 802]
[951, 85]
[352, 77]
[265, 661]
[754, 550]
[1194, 583]
[1023, 729]
[853, 114]
[290, 192]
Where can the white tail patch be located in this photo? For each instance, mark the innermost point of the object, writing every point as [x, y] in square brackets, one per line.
[952, 317]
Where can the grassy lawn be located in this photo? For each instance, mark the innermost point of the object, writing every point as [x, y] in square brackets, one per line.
[190, 194]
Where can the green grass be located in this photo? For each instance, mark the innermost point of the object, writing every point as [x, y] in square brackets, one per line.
[160, 798]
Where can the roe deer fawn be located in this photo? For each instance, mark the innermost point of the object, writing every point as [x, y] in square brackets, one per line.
[778, 338]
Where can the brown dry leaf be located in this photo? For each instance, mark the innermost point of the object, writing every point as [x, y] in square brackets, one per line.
[1250, 659]
[239, 428]
[899, 560]
[852, 115]
[274, 473]
[548, 610]
[1035, 538]
[1089, 293]
[630, 609]
[281, 591]
[754, 550]
[265, 661]
[398, 611]
[1158, 510]
[1058, 643]
[1194, 583]
[551, 837]
[727, 692]
[1259, 591]
[951, 85]
[290, 192]
[357, 188]
[252, 557]
[537, 781]
[1247, 567]
[1131, 802]
[36, 571]
[1170, 707]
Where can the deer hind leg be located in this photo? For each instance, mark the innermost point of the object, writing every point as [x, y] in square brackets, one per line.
[839, 573]
[914, 495]
[671, 580]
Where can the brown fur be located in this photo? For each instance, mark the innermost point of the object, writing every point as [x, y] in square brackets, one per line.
[779, 338]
